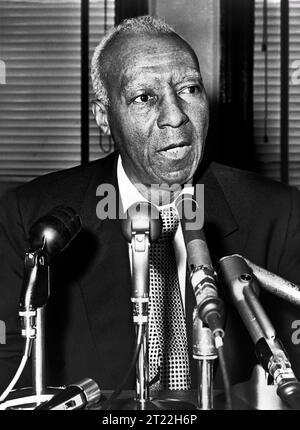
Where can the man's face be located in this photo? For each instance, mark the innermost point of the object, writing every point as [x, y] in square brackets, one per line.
[158, 111]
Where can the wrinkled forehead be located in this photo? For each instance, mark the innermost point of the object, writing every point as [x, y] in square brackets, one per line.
[132, 55]
[157, 75]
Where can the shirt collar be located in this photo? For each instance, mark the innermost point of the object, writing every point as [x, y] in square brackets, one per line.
[130, 194]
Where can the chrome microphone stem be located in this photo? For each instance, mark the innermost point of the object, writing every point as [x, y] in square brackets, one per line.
[140, 300]
[35, 293]
[205, 389]
[204, 350]
[275, 284]
[38, 354]
[142, 225]
[140, 319]
[142, 382]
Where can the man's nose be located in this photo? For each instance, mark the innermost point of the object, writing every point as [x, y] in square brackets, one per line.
[171, 113]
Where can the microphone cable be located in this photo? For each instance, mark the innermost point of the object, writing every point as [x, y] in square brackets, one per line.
[119, 389]
[26, 354]
[225, 377]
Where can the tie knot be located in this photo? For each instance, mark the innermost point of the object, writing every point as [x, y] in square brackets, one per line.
[170, 221]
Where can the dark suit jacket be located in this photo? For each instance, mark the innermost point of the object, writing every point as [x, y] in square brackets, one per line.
[89, 320]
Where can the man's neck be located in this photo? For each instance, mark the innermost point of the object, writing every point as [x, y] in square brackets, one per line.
[159, 194]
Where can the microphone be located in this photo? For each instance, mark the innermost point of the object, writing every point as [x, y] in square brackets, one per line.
[142, 225]
[202, 273]
[275, 284]
[48, 236]
[74, 396]
[55, 230]
[243, 288]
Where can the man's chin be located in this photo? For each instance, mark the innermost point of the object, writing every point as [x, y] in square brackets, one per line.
[167, 187]
[179, 175]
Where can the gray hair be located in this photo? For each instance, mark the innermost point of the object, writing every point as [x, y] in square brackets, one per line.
[141, 25]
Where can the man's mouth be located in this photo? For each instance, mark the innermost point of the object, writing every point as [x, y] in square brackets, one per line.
[175, 145]
[176, 150]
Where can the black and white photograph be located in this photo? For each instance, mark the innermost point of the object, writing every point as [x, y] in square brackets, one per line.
[149, 208]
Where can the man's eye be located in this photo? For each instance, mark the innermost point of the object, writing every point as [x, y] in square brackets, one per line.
[143, 98]
[192, 89]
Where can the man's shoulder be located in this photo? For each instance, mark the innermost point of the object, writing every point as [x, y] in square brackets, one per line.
[232, 179]
[66, 187]
[73, 180]
[253, 196]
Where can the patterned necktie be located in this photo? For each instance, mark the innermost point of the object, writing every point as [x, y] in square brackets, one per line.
[168, 351]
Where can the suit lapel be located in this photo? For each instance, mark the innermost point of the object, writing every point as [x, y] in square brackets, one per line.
[223, 234]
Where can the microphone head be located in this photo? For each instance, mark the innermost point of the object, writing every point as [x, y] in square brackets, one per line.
[232, 267]
[55, 230]
[74, 396]
[140, 218]
[191, 214]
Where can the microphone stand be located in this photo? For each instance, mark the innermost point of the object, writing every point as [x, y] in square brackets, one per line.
[38, 354]
[205, 352]
[34, 296]
[269, 350]
[48, 236]
[142, 226]
[140, 258]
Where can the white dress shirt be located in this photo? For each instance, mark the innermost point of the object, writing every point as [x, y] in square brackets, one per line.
[130, 195]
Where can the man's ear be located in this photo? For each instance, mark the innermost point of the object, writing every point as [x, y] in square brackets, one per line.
[100, 114]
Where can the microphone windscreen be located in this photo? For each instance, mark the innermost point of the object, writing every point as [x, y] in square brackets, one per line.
[55, 230]
[142, 217]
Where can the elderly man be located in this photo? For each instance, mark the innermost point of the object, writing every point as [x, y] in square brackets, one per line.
[150, 96]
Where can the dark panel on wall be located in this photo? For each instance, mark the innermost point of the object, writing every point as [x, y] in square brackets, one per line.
[130, 8]
[235, 140]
